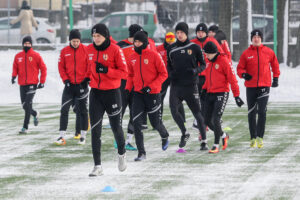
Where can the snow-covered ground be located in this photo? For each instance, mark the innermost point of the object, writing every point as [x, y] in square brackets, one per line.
[288, 90]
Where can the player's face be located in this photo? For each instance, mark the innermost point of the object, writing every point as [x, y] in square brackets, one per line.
[137, 43]
[201, 34]
[210, 56]
[75, 43]
[27, 44]
[211, 34]
[98, 39]
[256, 40]
[181, 36]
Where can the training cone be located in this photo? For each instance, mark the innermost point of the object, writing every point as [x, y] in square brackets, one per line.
[181, 150]
[227, 129]
[108, 189]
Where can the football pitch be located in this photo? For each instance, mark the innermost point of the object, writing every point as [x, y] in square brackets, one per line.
[32, 167]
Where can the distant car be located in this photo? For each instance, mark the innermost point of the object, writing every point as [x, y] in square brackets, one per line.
[261, 22]
[45, 33]
[118, 23]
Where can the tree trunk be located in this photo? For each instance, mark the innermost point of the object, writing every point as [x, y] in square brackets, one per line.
[225, 15]
[298, 49]
[280, 29]
[243, 33]
[117, 5]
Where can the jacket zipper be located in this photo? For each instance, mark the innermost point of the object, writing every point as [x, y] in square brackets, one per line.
[212, 66]
[258, 66]
[98, 73]
[75, 64]
[26, 68]
[141, 70]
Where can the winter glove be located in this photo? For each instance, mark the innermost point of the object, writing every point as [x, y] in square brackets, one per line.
[239, 102]
[146, 90]
[85, 83]
[246, 76]
[101, 68]
[40, 86]
[67, 83]
[13, 80]
[275, 82]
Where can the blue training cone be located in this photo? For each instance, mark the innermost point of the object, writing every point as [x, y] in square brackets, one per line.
[108, 189]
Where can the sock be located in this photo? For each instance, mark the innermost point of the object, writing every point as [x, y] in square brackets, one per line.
[83, 134]
[203, 141]
[129, 138]
[216, 145]
[224, 135]
[62, 134]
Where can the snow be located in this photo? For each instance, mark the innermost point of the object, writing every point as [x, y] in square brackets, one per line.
[288, 90]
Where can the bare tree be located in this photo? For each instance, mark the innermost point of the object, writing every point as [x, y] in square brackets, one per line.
[225, 15]
[280, 28]
[243, 33]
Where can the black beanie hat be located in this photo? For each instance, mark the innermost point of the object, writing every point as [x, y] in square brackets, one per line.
[256, 32]
[213, 28]
[210, 47]
[182, 26]
[101, 29]
[141, 36]
[27, 39]
[201, 27]
[133, 29]
[74, 34]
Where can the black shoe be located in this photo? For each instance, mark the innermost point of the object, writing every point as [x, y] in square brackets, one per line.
[140, 157]
[184, 138]
[203, 146]
[164, 143]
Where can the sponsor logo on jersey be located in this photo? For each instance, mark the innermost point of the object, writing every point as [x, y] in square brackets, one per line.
[182, 51]
[114, 106]
[67, 54]
[20, 59]
[250, 57]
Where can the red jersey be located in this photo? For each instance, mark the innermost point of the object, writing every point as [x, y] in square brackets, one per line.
[147, 69]
[258, 62]
[27, 66]
[73, 64]
[112, 58]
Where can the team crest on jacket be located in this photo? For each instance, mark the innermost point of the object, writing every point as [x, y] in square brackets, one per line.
[189, 51]
[217, 66]
[146, 61]
[105, 56]
[30, 58]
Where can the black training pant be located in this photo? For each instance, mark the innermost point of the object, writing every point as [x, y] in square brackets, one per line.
[189, 94]
[27, 93]
[151, 104]
[257, 100]
[127, 98]
[202, 97]
[163, 93]
[108, 101]
[81, 95]
[214, 107]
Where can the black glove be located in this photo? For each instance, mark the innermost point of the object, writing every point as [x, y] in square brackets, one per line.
[40, 86]
[85, 83]
[246, 76]
[101, 68]
[239, 102]
[67, 83]
[193, 71]
[275, 82]
[146, 90]
[203, 94]
[13, 80]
